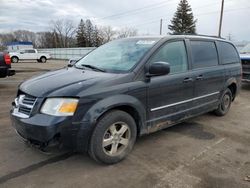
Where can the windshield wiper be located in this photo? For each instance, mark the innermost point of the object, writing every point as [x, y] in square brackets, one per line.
[93, 67]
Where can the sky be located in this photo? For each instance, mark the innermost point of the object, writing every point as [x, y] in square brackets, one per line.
[143, 15]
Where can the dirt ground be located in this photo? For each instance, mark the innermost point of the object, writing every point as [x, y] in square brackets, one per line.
[206, 151]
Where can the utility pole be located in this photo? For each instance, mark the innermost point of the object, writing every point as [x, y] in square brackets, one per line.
[221, 17]
[161, 27]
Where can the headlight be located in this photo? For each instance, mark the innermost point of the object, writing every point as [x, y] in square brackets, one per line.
[59, 106]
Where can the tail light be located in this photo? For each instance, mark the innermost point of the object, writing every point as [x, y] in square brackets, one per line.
[7, 59]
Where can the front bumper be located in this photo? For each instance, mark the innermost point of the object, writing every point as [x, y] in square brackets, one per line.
[44, 129]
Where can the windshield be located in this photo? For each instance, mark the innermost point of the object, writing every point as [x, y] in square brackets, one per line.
[246, 49]
[117, 56]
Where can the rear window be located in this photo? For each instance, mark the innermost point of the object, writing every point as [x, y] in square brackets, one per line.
[228, 53]
[204, 54]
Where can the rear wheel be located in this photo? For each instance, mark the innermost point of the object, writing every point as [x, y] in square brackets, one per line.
[113, 137]
[14, 59]
[43, 59]
[225, 103]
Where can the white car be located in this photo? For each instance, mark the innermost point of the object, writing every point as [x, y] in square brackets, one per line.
[29, 54]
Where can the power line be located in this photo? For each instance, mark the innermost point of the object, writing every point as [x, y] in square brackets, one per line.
[213, 12]
[152, 6]
[168, 14]
[149, 8]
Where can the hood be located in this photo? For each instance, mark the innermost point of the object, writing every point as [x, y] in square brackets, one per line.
[245, 56]
[43, 85]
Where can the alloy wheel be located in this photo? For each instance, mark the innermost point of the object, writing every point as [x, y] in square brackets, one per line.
[116, 138]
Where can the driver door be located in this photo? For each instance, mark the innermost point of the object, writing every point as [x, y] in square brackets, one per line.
[169, 97]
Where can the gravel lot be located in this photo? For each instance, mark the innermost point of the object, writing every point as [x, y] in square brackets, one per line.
[206, 151]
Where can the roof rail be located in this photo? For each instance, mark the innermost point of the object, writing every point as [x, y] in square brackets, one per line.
[200, 35]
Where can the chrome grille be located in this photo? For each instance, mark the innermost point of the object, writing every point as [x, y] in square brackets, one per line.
[24, 105]
[29, 100]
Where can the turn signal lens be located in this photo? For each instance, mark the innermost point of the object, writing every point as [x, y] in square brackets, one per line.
[68, 107]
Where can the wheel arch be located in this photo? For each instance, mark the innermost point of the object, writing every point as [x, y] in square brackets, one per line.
[125, 103]
[232, 85]
[14, 57]
[42, 57]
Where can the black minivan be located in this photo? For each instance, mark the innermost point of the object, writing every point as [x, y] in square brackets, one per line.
[125, 89]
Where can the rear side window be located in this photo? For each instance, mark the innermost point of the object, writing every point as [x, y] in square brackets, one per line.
[204, 54]
[173, 53]
[228, 53]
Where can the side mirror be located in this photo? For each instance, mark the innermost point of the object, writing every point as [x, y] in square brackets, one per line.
[158, 69]
[71, 62]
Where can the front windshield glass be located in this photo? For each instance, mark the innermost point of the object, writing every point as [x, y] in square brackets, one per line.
[246, 49]
[117, 56]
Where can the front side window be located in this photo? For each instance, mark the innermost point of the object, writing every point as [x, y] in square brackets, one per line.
[117, 56]
[204, 54]
[173, 53]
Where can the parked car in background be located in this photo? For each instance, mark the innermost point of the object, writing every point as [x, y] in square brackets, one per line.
[5, 65]
[245, 60]
[29, 54]
[125, 89]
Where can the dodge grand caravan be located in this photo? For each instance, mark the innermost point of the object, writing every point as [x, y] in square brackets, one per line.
[125, 89]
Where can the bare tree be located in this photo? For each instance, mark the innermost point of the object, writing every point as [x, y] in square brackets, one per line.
[7, 37]
[108, 33]
[127, 32]
[65, 30]
[46, 40]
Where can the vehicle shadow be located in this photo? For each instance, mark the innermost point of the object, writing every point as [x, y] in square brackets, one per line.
[245, 86]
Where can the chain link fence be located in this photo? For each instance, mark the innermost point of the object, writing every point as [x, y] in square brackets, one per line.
[66, 53]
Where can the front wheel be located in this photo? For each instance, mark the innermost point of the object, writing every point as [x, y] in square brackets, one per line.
[43, 59]
[225, 103]
[113, 137]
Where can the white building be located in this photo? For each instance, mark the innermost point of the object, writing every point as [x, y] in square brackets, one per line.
[14, 46]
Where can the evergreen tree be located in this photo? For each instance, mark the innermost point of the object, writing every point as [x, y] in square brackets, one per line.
[97, 37]
[81, 34]
[183, 21]
[89, 33]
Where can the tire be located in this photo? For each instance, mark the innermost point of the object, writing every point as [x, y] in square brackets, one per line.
[38, 61]
[43, 59]
[225, 103]
[14, 59]
[113, 137]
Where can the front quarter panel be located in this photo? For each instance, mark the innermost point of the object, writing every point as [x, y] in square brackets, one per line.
[99, 108]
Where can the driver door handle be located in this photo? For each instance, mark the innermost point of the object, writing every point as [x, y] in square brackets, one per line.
[186, 80]
[200, 77]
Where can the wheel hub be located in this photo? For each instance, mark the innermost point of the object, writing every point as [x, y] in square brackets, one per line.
[116, 138]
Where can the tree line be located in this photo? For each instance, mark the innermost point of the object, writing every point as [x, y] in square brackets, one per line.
[64, 34]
